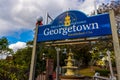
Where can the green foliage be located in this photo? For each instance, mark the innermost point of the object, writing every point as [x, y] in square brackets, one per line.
[3, 43]
[18, 67]
[103, 72]
[81, 54]
[4, 46]
[23, 56]
[22, 60]
[29, 43]
[100, 47]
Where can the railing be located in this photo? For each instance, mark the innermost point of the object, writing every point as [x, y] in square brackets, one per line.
[98, 77]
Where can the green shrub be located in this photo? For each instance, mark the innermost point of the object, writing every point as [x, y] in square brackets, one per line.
[103, 72]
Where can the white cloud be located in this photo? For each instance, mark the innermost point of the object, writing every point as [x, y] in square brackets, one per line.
[16, 15]
[17, 46]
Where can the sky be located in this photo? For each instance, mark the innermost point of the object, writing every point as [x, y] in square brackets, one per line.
[18, 17]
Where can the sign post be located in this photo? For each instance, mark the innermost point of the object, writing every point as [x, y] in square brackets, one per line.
[115, 42]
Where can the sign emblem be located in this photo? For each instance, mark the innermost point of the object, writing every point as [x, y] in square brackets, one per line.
[67, 20]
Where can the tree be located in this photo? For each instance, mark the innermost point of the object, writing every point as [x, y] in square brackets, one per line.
[5, 64]
[115, 5]
[18, 67]
[82, 55]
[22, 60]
[4, 50]
[103, 8]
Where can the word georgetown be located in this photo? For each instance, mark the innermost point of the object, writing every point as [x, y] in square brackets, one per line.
[70, 29]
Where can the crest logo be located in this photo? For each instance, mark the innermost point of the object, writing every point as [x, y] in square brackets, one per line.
[67, 20]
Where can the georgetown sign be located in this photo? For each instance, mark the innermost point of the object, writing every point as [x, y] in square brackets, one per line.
[74, 24]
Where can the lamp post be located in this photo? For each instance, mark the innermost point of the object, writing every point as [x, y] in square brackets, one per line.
[112, 77]
[57, 69]
[34, 55]
[58, 66]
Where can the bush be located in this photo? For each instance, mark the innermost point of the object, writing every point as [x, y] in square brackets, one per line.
[103, 72]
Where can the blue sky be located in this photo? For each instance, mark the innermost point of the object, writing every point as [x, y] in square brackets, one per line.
[18, 17]
[24, 36]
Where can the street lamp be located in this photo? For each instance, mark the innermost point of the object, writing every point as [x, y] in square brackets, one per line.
[58, 66]
[112, 77]
[34, 55]
[57, 69]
